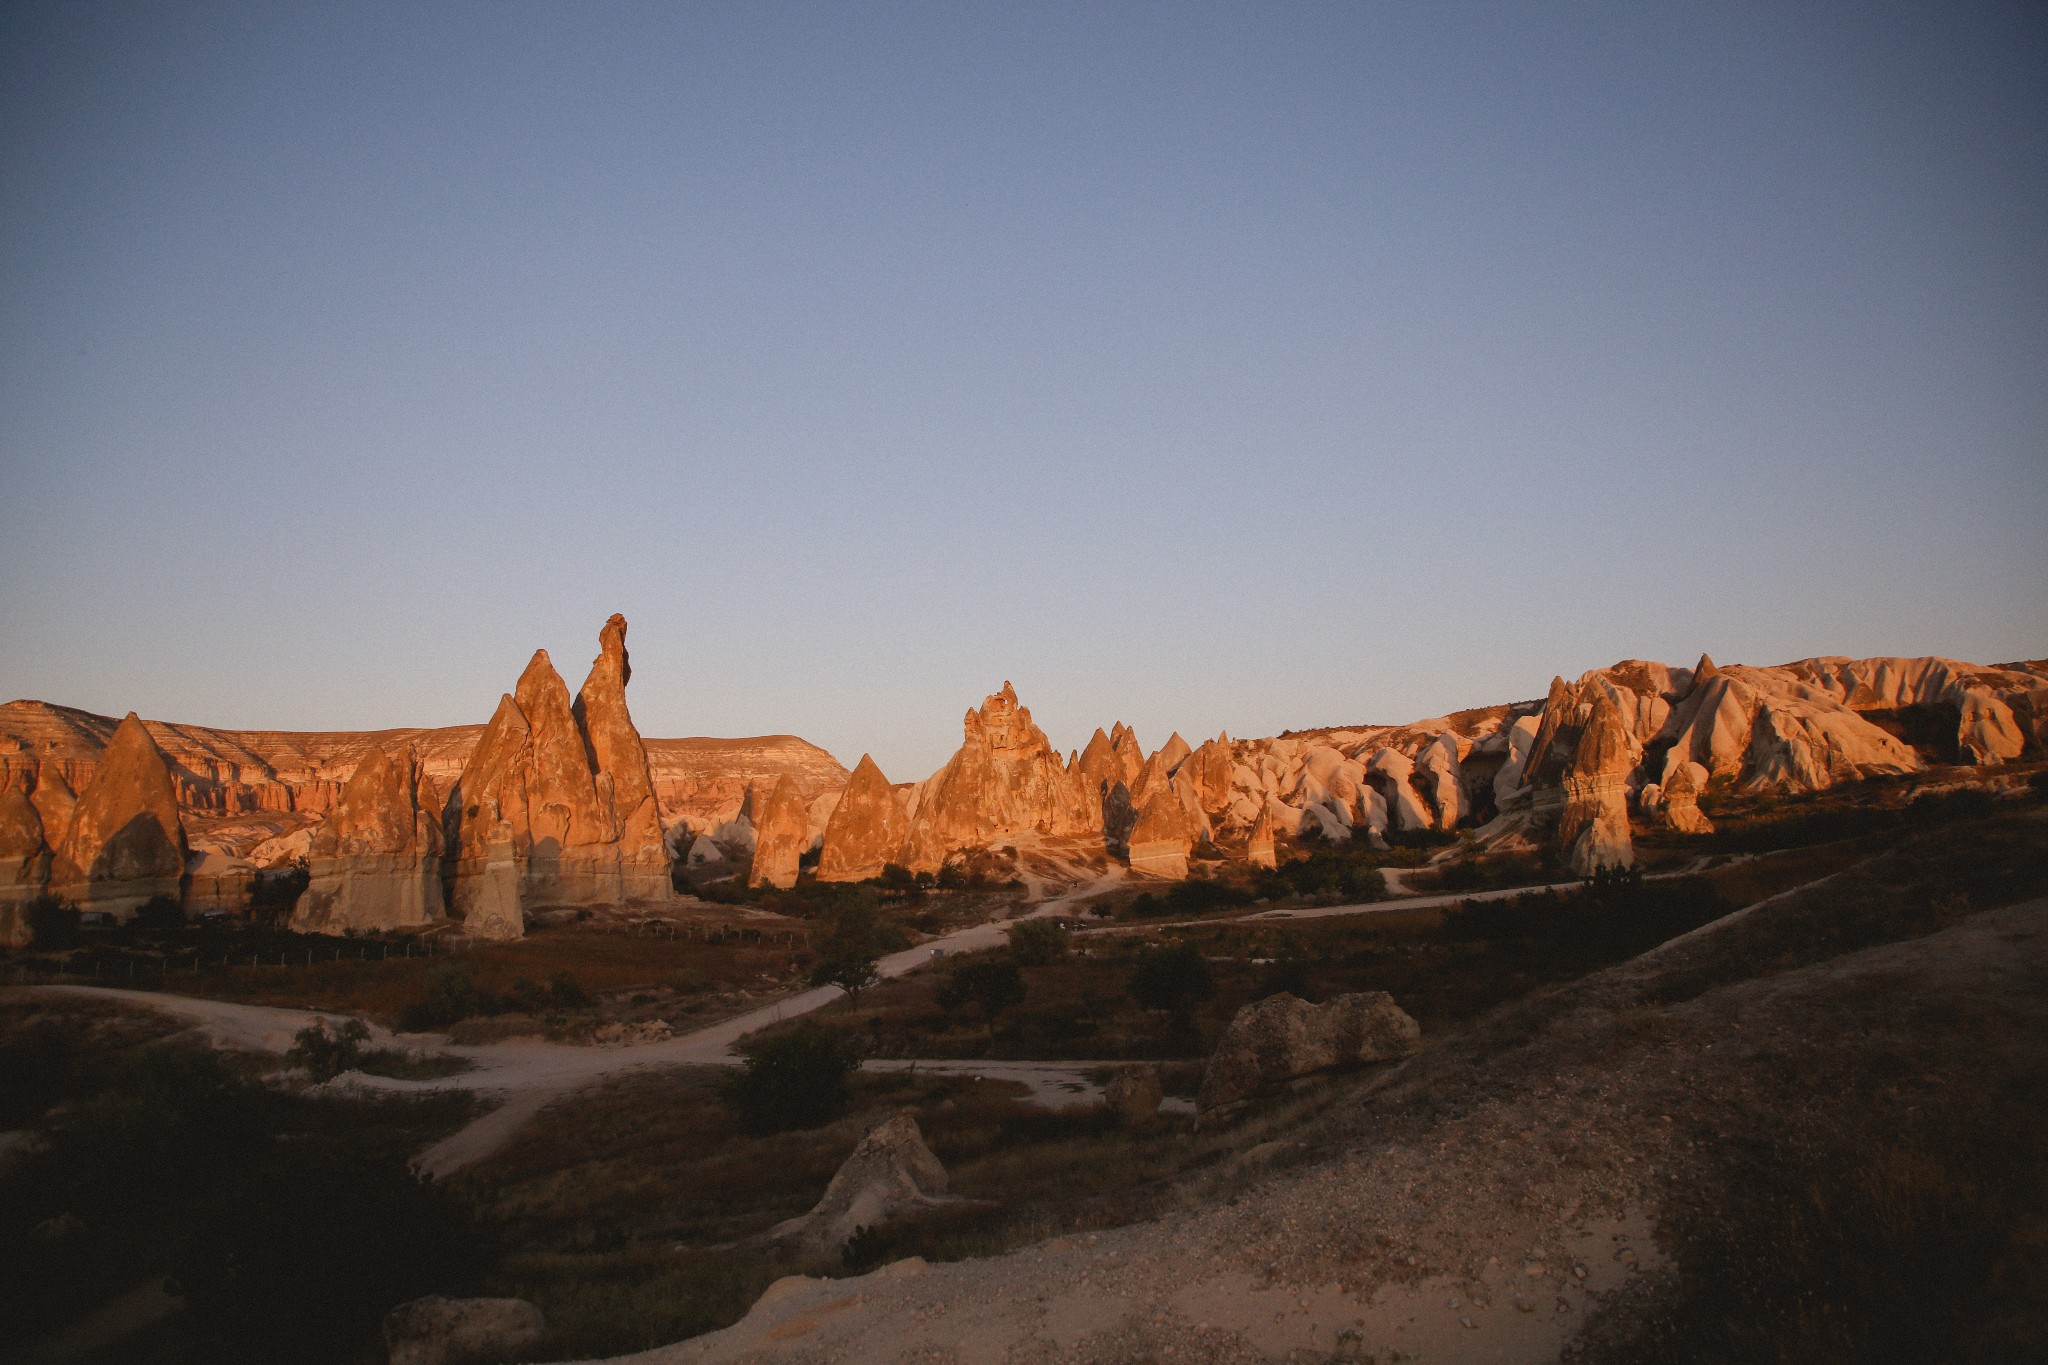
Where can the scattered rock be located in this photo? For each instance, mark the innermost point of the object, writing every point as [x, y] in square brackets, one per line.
[890, 1174]
[1280, 1038]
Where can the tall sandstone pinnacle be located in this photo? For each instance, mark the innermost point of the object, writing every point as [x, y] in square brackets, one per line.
[1130, 755]
[781, 835]
[126, 841]
[489, 804]
[375, 861]
[1258, 848]
[1593, 830]
[620, 760]
[24, 863]
[867, 828]
[556, 805]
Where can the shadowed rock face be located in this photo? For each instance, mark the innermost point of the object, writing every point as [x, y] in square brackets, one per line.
[375, 861]
[1163, 836]
[780, 836]
[24, 863]
[866, 830]
[1258, 849]
[126, 841]
[54, 802]
[890, 1174]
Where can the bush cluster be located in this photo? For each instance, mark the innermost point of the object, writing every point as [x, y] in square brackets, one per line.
[795, 1079]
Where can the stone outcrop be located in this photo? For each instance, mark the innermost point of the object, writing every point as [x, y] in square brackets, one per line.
[1258, 848]
[1280, 1038]
[54, 801]
[24, 864]
[619, 760]
[1099, 764]
[1163, 836]
[1593, 829]
[375, 862]
[1005, 779]
[438, 1331]
[1134, 1093]
[867, 828]
[891, 1174]
[126, 840]
[1130, 756]
[781, 836]
[1405, 810]
[1676, 801]
[537, 815]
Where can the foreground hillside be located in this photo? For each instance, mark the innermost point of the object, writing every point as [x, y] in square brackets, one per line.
[1809, 1131]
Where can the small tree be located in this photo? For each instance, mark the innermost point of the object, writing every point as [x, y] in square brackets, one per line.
[160, 912]
[326, 1055]
[1036, 942]
[992, 984]
[52, 923]
[850, 951]
[1172, 979]
[793, 1080]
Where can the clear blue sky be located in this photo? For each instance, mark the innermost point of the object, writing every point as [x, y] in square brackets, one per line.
[1249, 366]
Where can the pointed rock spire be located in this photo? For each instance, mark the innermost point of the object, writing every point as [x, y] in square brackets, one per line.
[376, 860]
[866, 830]
[782, 833]
[126, 842]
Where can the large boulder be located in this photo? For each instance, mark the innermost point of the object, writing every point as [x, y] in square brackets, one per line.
[890, 1175]
[438, 1331]
[782, 836]
[1281, 1038]
[375, 861]
[866, 830]
[126, 841]
[1134, 1093]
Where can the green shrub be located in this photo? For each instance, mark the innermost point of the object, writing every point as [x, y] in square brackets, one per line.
[1037, 942]
[992, 984]
[793, 1080]
[450, 996]
[1173, 979]
[52, 923]
[326, 1055]
[160, 912]
[1196, 895]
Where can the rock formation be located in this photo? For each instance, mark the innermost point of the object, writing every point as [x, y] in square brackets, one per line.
[891, 1174]
[538, 809]
[1405, 810]
[24, 864]
[1099, 764]
[620, 763]
[1163, 836]
[867, 828]
[126, 841]
[781, 837]
[1005, 779]
[1134, 1093]
[375, 862]
[1593, 829]
[54, 802]
[1130, 756]
[1280, 1038]
[1258, 848]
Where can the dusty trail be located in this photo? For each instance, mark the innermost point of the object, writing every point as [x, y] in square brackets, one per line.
[527, 1075]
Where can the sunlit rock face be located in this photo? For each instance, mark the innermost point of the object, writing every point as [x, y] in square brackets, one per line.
[781, 836]
[1258, 848]
[1005, 779]
[126, 839]
[375, 862]
[866, 830]
[556, 805]
[622, 775]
